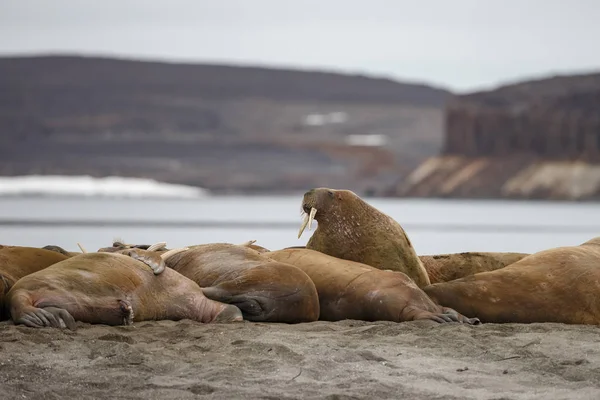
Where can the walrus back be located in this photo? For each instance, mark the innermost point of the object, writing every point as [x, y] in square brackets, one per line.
[17, 262]
[88, 273]
[448, 267]
[212, 264]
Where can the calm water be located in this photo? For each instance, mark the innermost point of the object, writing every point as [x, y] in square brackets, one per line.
[434, 226]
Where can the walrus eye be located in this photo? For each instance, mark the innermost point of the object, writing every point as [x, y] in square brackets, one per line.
[330, 193]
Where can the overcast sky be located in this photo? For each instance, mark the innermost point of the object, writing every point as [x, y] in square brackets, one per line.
[462, 45]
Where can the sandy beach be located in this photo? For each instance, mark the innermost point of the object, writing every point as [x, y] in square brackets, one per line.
[321, 360]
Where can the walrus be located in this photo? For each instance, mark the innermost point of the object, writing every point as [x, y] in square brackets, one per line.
[19, 261]
[265, 290]
[555, 285]
[351, 229]
[120, 245]
[111, 289]
[351, 290]
[448, 267]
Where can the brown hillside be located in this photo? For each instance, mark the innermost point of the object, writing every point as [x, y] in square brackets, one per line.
[221, 127]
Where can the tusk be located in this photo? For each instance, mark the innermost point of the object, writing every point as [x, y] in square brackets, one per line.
[307, 221]
[248, 243]
[157, 246]
[304, 223]
[172, 252]
[83, 250]
[313, 211]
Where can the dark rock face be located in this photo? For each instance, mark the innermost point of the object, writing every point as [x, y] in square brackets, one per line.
[221, 127]
[538, 139]
[556, 118]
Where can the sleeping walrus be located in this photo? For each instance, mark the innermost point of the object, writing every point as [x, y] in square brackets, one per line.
[265, 290]
[556, 285]
[17, 262]
[111, 289]
[350, 290]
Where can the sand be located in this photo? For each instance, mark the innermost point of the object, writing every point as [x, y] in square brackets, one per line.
[341, 360]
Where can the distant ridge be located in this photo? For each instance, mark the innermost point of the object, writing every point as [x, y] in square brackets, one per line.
[215, 80]
[221, 127]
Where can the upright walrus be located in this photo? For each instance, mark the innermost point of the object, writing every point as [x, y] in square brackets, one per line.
[556, 285]
[350, 290]
[19, 261]
[264, 289]
[112, 289]
[351, 229]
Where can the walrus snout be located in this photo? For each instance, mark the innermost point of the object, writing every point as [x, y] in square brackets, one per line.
[308, 219]
[312, 201]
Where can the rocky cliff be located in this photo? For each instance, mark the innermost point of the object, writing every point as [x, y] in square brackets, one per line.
[221, 127]
[538, 139]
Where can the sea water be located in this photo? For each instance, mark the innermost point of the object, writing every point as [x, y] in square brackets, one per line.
[434, 226]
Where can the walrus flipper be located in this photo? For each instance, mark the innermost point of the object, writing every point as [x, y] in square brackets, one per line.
[447, 315]
[247, 303]
[45, 317]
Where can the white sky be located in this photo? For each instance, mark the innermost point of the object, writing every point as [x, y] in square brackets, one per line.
[462, 45]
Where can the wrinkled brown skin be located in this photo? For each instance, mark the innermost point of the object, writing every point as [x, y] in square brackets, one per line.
[556, 285]
[17, 262]
[350, 290]
[111, 289]
[351, 229]
[448, 267]
[265, 290]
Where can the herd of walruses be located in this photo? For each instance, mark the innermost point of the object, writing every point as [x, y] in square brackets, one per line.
[358, 264]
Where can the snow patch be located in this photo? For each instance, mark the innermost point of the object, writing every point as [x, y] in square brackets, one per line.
[87, 186]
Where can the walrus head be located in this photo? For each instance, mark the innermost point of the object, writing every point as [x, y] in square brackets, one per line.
[151, 256]
[316, 202]
[119, 245]
[57, 249]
